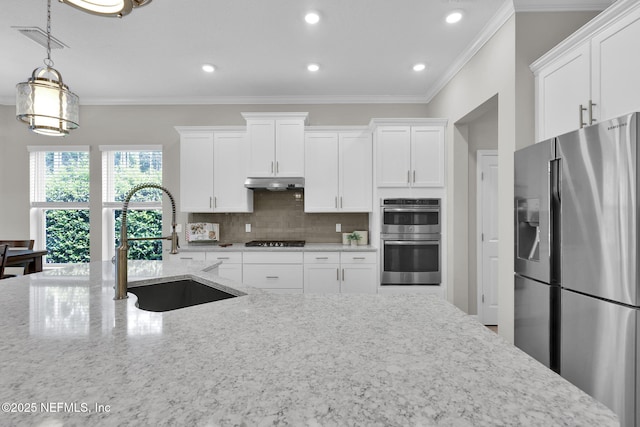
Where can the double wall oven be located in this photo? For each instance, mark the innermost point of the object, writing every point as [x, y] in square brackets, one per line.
[410, 242]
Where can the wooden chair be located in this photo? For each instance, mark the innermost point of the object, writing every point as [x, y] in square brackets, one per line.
[3, 260]
[19, 268]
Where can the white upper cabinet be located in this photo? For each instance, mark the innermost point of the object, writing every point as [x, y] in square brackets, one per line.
[276, 143]
[410, 155]
[592, 75]
[338, 172]
[196, 171]
[563, 89]
[230, 152]
[213, 171]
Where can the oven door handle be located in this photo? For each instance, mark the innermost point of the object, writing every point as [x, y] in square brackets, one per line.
[412, 242]
[411, 209]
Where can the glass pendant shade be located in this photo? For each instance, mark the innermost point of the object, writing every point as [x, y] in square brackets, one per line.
[111, 8]
[46, 104]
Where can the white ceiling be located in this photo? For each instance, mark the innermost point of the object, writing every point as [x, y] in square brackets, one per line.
[366, 49]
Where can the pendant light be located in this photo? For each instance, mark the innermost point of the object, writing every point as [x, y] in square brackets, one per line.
[109, 8]
[44, 102]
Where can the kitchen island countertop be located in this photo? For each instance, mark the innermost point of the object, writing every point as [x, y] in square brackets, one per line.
[71, 355]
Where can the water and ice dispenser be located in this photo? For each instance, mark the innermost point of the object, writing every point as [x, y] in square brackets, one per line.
[528, 233]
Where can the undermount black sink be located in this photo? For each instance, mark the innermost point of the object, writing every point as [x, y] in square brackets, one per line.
[176, 294]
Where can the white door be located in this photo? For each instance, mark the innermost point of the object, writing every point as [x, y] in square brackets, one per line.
[562, 87]
[322, 279]
[321, 172]
[289, 147]
[262, 147]
[230, 150]
[394, 154]
[356, 180]
[615, 69]
[358, 279]
[487, 209]
[196, 172]
[427, 156]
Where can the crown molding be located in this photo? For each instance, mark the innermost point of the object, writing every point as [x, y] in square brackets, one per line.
[560, 6]
[499, 19]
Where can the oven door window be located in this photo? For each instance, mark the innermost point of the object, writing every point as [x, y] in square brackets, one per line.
[412, 256]
[410, 217]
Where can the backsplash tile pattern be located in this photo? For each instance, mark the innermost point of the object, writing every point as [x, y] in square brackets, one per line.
[280, 215]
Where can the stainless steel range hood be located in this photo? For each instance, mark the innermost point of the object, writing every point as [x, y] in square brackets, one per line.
[274, 183]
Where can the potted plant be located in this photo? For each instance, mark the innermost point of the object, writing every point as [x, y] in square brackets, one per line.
[354, 238]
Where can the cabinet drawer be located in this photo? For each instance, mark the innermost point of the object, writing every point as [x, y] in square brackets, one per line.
[321, 257]
[273, 257]
[187, 256]
[225, 257]
[358, 257]
[273, 276]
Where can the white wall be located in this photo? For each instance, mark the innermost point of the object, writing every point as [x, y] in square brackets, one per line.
[500, 68]
[129, 125]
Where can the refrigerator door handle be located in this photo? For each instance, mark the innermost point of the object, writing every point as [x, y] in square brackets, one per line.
[555, 206]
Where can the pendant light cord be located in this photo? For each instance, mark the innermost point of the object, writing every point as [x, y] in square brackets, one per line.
[48, 62]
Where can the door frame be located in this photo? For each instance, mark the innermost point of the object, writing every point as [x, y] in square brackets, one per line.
[479, 216]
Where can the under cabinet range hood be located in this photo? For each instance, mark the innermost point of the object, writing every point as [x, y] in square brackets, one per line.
[274, 184]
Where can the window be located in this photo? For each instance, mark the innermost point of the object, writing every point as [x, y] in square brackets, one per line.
[60, 202]
[124, 167]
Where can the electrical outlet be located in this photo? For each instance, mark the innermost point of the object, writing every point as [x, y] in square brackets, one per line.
[178, 228]
[247, 228]
[338, 228]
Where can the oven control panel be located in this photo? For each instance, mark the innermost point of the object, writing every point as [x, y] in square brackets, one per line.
[411, 202]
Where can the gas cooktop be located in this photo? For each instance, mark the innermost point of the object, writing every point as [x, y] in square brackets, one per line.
[276, 243]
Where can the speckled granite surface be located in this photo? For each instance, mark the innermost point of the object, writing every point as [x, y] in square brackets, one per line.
[308, 247]
[263, 359]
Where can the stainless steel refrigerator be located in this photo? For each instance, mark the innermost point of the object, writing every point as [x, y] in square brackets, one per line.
[576, 260]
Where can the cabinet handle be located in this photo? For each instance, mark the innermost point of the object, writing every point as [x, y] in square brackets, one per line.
[581, 109]
[343, 274]
[414, 176]
[182, 257]
[340, 202]
[358, 257]
[337, 274]
[322, 257]
[277, 167]
[272, 277]
[223, 257]
[271, 167]
[591, 119]
[210, 202]
[215, 202]
[408, 177]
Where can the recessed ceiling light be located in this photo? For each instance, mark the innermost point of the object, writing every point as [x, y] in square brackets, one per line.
[454, 17]
[313, 67]
[208, 68]
[312, 18]
[419, 67]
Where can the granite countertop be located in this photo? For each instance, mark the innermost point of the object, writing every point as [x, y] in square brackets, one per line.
[308, 247]
[71, 355]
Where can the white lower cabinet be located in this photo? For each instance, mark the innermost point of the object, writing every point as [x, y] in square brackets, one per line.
[274, 272]
[231, 267]
[334, 272]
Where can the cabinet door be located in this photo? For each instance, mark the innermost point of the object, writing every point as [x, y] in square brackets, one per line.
[427, 156]
[289, 148]
[562, 87]
[322, 279]
[196, 172]
[321, 172]
[394, 153]
[358, 279]
[616, 67]
[262, 152]
[230, 151]
[356, 180]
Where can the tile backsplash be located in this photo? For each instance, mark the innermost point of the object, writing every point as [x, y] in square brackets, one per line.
[280, 215]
